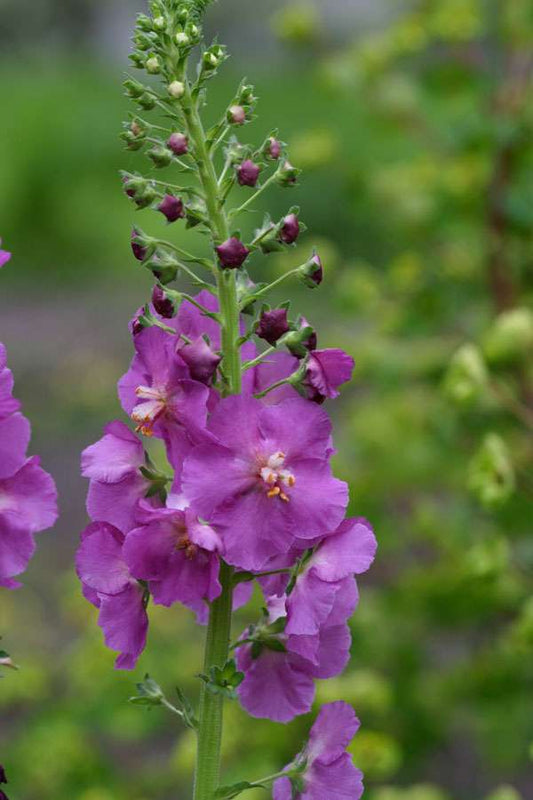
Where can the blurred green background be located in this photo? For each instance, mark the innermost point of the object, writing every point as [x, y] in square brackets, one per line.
[412, 122]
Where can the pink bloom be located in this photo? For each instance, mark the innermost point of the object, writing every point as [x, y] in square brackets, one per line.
[248, 173]
[326, 371]
[177, 554]
[116, 484]
[178, 143]
[28, 504]
[109, 585]
[4, 256]
[266, 480]
[324, 768]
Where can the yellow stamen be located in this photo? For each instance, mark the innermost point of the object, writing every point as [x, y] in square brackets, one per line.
[274, 492]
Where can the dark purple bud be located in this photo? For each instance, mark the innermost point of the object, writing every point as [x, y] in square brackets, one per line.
[3, 795]
[201, 360]
[139, 250]
[3, 778]
[248, 173]
[273, 148]
[311, 341]
[232, 253]
[172, 207]
[178, 143]
[290, 229]
[236, 115]
[312, 272]
[272, 325]
[136, 325]
[163, 303]
[326, 371]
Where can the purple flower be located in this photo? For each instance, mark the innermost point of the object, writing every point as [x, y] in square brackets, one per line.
[236, 115]
[171, 207]
[178, 143]
[160, 397]
[272, 325]
[232, 253]
[109, 585]
[139, 251]
[28, 504]
[248, 173]
[350, 550]
[201, 360]
[177, 554]
[272, 369]
[14, 427]
[162, 303]
[326, 371]
[265, 480]
[280, 669]
[290, 230]
[273, 148]
[4, 256]
[325, 770]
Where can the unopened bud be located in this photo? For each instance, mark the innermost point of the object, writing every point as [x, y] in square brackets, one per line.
[178, 143]
[210, 60]
[194, 31]
[164, 267]
[290, 229]
[139, 244]
[176, 89]
[302, 340]
[232, 253]
[181, 38]
[161, 156]
[466, 378]
[287, 175]
[312, 272]
[163, 303]
[159, 24]
[273, 149]
[153, 66]
[171, 207]
[248, 173]
[272, 325]
[236, 115]
[147, 101]
[133, 88]
[511, 336]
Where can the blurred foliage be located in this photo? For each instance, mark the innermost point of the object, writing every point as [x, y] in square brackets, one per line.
[416, 139]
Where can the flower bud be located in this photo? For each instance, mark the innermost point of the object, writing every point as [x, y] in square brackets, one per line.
[147, 101]
[195, 213]
[153, 66]
[287, 174]
[210, 60]
[272, 325]
[163, 266]
[159, 23]
[133, 88]
[290, 229]
[163, 303]
[272, 148]
[171, 207]
[176, 89]
[139, 244]
[161, 156]
[232, 253]
[201, 360]
[181, 39]
[236, 115]
[137, 322]
[312, 272]
[194, 31]
[144, 23]
[248, 173]
[178, 143]
[299, 342]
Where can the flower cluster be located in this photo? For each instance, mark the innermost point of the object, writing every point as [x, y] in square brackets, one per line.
[223, 476]
[28, 498]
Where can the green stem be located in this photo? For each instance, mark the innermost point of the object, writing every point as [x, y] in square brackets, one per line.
[219, 627]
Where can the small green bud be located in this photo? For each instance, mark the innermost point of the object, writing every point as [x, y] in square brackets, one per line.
[159, 23]
[210, 60]
[287, 175]
[163, 266]
[133, 88]
[144, 23]
[194, 31]
[149, 693]
[143, 41]
[183, 15]
[137, 60]
[176, 89]
[181, 39]
[491, 475]
[161, 156]
[153, 66]
[147, 101]
[312, 272]
[466, 378]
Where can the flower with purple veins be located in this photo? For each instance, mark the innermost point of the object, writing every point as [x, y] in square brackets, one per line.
[109, 585]
[265, 479]
[28, 505]
[177, 555]
[232, 253]
[172, 208]
[116, 483]
[248, 173]
[326, 371]
[324, 770]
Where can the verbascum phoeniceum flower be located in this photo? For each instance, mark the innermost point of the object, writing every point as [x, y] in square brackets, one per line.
[233, 389]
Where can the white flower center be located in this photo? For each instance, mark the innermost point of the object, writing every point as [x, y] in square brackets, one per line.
[147, 413]
[276, 477]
